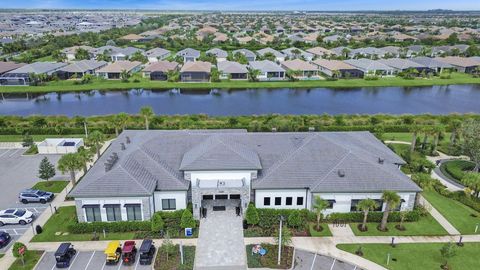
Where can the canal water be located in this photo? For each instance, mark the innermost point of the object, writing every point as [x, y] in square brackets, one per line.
[215, 102]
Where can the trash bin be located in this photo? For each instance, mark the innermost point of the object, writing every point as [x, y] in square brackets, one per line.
[245, 225]
[38, 229]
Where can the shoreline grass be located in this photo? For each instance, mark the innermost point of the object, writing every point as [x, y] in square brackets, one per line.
[70, 86]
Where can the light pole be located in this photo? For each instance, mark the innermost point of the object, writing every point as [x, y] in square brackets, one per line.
[280, 240]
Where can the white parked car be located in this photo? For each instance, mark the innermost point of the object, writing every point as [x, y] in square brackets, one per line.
[15, 216]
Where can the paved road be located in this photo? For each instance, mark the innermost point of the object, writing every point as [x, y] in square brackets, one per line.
[309, 261]
[88, 260]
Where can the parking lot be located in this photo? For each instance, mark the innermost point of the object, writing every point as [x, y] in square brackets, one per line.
[19, 172]
[309, 261]
[88, 260]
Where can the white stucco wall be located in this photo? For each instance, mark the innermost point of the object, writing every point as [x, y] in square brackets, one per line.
[214, 176]
[179, 196]
[283, 193]
[79, 202]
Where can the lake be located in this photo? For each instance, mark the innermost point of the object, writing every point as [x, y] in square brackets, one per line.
[391, 100]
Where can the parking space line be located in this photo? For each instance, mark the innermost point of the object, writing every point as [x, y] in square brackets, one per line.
[89, 261]
[313, 263]
[105, 263]
[76, 256]
[14, 153]
[4, 153]
[334, 260]
[15, 231]
[136, 264]
[120, 263]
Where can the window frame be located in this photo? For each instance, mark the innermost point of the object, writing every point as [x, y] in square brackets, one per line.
[269, 201]
[169, 204]
[134, 206]
[280, 201]
[116, 211]
[287, 199]
[302, 199]
[97, 216]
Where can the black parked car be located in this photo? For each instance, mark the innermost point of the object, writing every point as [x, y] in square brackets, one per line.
[64, 255]
[147, 252]
[4, 239]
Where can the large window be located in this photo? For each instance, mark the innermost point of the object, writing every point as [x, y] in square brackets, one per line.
[113, 212]
[278, 200]
[379, 205]
[331, 203]
[299, 200]
[289, 201]
[266, 201]
[169, 204]
[134, 211]
[353, 206]
[92, 212]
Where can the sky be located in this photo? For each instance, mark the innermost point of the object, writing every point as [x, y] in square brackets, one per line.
[247, 4]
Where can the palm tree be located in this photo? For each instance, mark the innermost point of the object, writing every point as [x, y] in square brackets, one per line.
[253, 74]
[70, 163]
[96, 138]
[392, 200]
[146, 112]
[319, 205]
[455, 127]
[426, 131]
[437, 130]
[366, 206]
[119, 121]
[414, 129]
[86, 156]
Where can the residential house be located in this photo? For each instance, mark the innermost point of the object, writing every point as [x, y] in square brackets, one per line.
[188, 55]
[247, 53]
[114, 70]
[72, 51]
[80, 68]
[401, 65]
[156, 170]
[320, 52]
[232, 70]
[300, 69]
[116, 53]
[158, 70]
[9, 66]
[336, 68]
[294, 53]
[21, 75]
[219, 54]
[369, 66]
[269, 71]
[197, 71]
[461, 64]
[157, 54]
[368, 52]
[131, 37]
[278, 55]
[432, 63]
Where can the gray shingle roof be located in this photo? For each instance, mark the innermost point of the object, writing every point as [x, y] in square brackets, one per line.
[154, 160]
[265, 66]
[84, 66]
[231, 67]
[430, 62]
[217, 53]
[39, 68]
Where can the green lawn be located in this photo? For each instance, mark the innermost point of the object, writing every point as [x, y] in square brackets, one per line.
[51, 186]
[425, 226]
[458, 214]
[425, 256]
[455, 169]
[407, 137]
[31, 258]
[61, 86]
[59, 223]
[270, 259]
[36, 138]
[173, 262]
[325, 232]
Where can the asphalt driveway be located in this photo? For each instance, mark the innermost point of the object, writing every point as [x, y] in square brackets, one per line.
[308, 261]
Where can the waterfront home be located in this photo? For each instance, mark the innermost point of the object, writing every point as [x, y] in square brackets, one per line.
[80, 68]
[432, 63]
[294, 53]
[197, 71]
[320, 52]
[188, 55]
[369, 66]
[400, 65]
[131, 37]
[159, 70]
[157, 54]
[247, 53]
[232, 70]
[461, 64]
[70, 52]
[269, 71]
[9, 66]
[21, 75]
[219, 54]
[300, 69]
[144, 171]
[336, 68]
[368, 52]
[278, 55]
[114, 70]
[116, 53]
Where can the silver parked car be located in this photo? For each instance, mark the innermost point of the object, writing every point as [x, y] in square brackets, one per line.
[34, 195]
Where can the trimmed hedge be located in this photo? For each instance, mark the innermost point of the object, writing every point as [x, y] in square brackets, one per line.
[119, 226]
[411, 216]
[50, 131]
[269, 218]
[456, 168]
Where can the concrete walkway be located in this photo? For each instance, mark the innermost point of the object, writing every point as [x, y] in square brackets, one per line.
[438, 217]
[340, 231]
[220, 244]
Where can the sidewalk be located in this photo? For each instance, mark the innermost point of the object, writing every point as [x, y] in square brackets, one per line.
[59, 201]
[438, 217]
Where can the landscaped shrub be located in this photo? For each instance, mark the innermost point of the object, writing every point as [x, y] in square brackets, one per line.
[269, 218]
[411, 216]
[187, 220]
[118, 226]
[16, 247]
[457, 168]
[252, 215]
[295, 220]
[157, 222]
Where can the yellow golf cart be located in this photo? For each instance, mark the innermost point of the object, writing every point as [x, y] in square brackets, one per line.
[113, 252]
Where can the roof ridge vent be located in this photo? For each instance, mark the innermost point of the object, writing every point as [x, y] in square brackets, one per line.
[381, 160]
[127, 139]
[122, 146]
[341, 173]
[111, 161]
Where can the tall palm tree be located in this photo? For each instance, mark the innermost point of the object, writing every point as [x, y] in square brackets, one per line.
[147, 112]
[414, 129]
[253, 74]
[366, 206]
[455, 127]
[86, 156]
[318, 206]
[437, 130]
[426, 131]
[119, 121]
[96, 138]
[392, 200]
[70, 163]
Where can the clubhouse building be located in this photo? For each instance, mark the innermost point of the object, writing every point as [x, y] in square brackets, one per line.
[147, 171]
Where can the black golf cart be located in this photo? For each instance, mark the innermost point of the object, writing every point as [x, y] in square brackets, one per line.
[147, 252]
[64, 255]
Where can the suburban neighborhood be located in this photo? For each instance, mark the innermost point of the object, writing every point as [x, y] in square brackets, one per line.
[149, 138]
